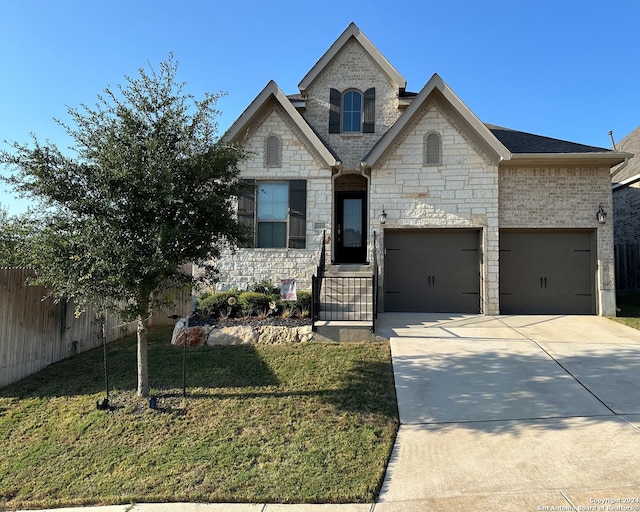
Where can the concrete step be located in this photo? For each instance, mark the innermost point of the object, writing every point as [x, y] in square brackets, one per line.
[348, 270]
[344, 331]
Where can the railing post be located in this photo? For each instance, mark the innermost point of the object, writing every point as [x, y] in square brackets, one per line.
[374, 284]
[316, 284]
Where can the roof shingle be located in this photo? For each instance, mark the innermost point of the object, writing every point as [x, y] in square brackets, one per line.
[522, 142]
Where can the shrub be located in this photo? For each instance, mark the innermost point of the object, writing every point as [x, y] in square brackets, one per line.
[304, 300]
[254, 303]
[218, 304]
[267, 287]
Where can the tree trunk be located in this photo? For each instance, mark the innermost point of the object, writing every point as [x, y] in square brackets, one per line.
[143, 370]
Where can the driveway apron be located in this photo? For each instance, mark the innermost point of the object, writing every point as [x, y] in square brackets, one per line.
[513, 413]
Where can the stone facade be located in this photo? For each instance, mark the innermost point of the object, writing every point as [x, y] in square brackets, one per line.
[473, 184]
[460, 192]
[244, 267]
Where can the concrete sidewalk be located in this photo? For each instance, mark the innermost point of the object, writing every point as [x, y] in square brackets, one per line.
[519, 413]
[513, 413]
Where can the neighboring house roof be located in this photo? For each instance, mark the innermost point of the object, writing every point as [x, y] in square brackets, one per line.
[353, 31]
[238, 129]
[628, 172]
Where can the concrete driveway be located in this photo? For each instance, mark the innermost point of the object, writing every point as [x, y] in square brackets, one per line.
[522, 413]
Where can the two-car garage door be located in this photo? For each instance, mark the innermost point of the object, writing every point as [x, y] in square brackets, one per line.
[541, 271]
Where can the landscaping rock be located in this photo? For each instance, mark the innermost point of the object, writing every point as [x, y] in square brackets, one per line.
[242, 334]
[236, 335]
[271, 335]
[195, 336]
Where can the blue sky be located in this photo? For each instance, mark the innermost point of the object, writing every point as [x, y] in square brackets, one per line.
[564, 68]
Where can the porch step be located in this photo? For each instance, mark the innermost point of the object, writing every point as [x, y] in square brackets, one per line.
[349, 270]
[344, 331]
[346, 299]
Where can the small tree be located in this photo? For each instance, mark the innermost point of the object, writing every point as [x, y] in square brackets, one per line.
[150, 188]
[15, 233]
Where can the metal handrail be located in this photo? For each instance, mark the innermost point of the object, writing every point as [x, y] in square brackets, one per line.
[324, 290]
[316, 283]
[374, 283]
[323, 256]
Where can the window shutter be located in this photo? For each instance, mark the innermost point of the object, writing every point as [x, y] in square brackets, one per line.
[368, 126]
[246, 212]
[297, 214]
[335, 102]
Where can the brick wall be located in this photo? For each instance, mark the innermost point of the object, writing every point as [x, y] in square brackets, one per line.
[626, 205]
[566, 198]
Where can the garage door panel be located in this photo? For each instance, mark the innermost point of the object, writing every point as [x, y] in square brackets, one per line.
[547, 272]
[432, 271]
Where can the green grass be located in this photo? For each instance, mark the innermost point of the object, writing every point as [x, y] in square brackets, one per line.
[292, 423]
[629, 309]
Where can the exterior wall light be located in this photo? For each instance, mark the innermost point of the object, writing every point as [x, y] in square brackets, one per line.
[383, 216]
[601, 215]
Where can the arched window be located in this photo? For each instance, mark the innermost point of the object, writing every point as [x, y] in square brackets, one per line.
[432, 149]
[273, 152]
[351, 111]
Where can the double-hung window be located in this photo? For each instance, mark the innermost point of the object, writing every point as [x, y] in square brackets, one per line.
[275, 213]
[351, 111]
[273, 209]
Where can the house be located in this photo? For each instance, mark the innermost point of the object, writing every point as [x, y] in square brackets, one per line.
[457, 215]
[626, 205]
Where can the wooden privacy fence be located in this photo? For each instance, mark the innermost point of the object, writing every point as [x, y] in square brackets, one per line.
[35, 333]
[627, 263]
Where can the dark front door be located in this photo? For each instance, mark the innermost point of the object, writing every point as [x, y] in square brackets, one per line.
[351, 227]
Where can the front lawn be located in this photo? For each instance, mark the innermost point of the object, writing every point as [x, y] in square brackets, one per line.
[629, 309]
[290, 423]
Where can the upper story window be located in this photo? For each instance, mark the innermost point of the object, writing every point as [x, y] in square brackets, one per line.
[273, 152]
[432, 149]
[352, 111]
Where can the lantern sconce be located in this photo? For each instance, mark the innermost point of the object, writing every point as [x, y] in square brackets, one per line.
[383, 216]
[601, 215]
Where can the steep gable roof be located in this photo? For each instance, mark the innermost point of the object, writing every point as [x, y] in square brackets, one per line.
[515, 147]
[257, 106]
[353, 31]
[437, 86]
